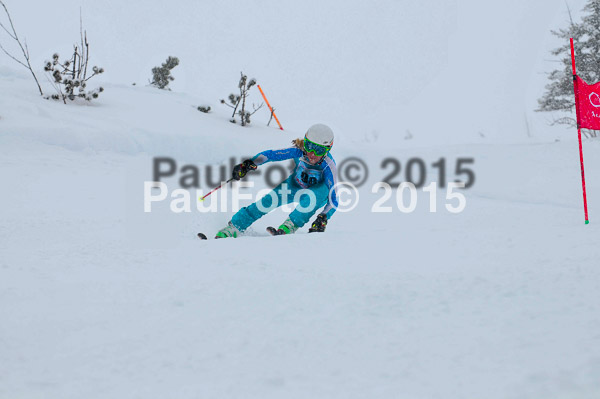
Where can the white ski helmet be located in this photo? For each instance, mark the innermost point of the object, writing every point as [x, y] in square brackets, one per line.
[320, 134]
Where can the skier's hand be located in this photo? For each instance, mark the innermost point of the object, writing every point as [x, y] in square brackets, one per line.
[240, 170]
[319, 224]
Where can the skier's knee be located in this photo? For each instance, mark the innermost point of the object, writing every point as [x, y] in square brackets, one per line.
[307, 200]
[267, 203]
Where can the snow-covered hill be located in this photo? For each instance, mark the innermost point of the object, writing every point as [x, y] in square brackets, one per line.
[100, 299]
[477, 66]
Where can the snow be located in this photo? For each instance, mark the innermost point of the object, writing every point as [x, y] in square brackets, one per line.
[99, 299]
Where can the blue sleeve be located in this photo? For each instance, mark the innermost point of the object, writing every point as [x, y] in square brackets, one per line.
[330, 174]
[277, 155]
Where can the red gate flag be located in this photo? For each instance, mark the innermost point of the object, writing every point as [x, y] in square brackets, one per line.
[588, 102]
[586, 113]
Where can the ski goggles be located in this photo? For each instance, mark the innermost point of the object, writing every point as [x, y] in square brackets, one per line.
[317, 149]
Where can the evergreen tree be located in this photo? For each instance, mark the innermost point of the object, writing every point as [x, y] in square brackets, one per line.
[161, 76]
[559, 94]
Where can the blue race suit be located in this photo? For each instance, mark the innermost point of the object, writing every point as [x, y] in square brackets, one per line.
[321, 179]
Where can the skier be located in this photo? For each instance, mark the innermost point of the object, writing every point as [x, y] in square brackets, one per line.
[315, 172]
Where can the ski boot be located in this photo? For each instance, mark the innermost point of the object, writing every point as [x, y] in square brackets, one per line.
[228, 231]
[288, 227]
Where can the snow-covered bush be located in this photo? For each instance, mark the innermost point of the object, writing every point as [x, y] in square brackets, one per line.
[70, 77]
[204, 108]
[239, 101]
[161, 76]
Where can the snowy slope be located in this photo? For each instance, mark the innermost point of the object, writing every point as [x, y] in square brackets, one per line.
[100, 299]
[478, 66]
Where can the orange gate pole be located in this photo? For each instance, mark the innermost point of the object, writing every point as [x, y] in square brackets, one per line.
[269, 105]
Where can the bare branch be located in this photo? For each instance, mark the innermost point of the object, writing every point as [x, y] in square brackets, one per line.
[9, 34]
[91, 76]
[26, 48]
[82, 55]
[25, 51]
[57, 88]
[564, 121]
[80, 27]
[271, 118]
[87, 55]
[229, 105]
[256, 108]
[7, 53]
[570, 16]
[11, 24]
[75, 60]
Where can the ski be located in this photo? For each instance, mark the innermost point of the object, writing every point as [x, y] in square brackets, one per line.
[272, 230]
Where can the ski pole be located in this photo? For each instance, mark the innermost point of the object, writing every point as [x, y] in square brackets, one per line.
[215, 189]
